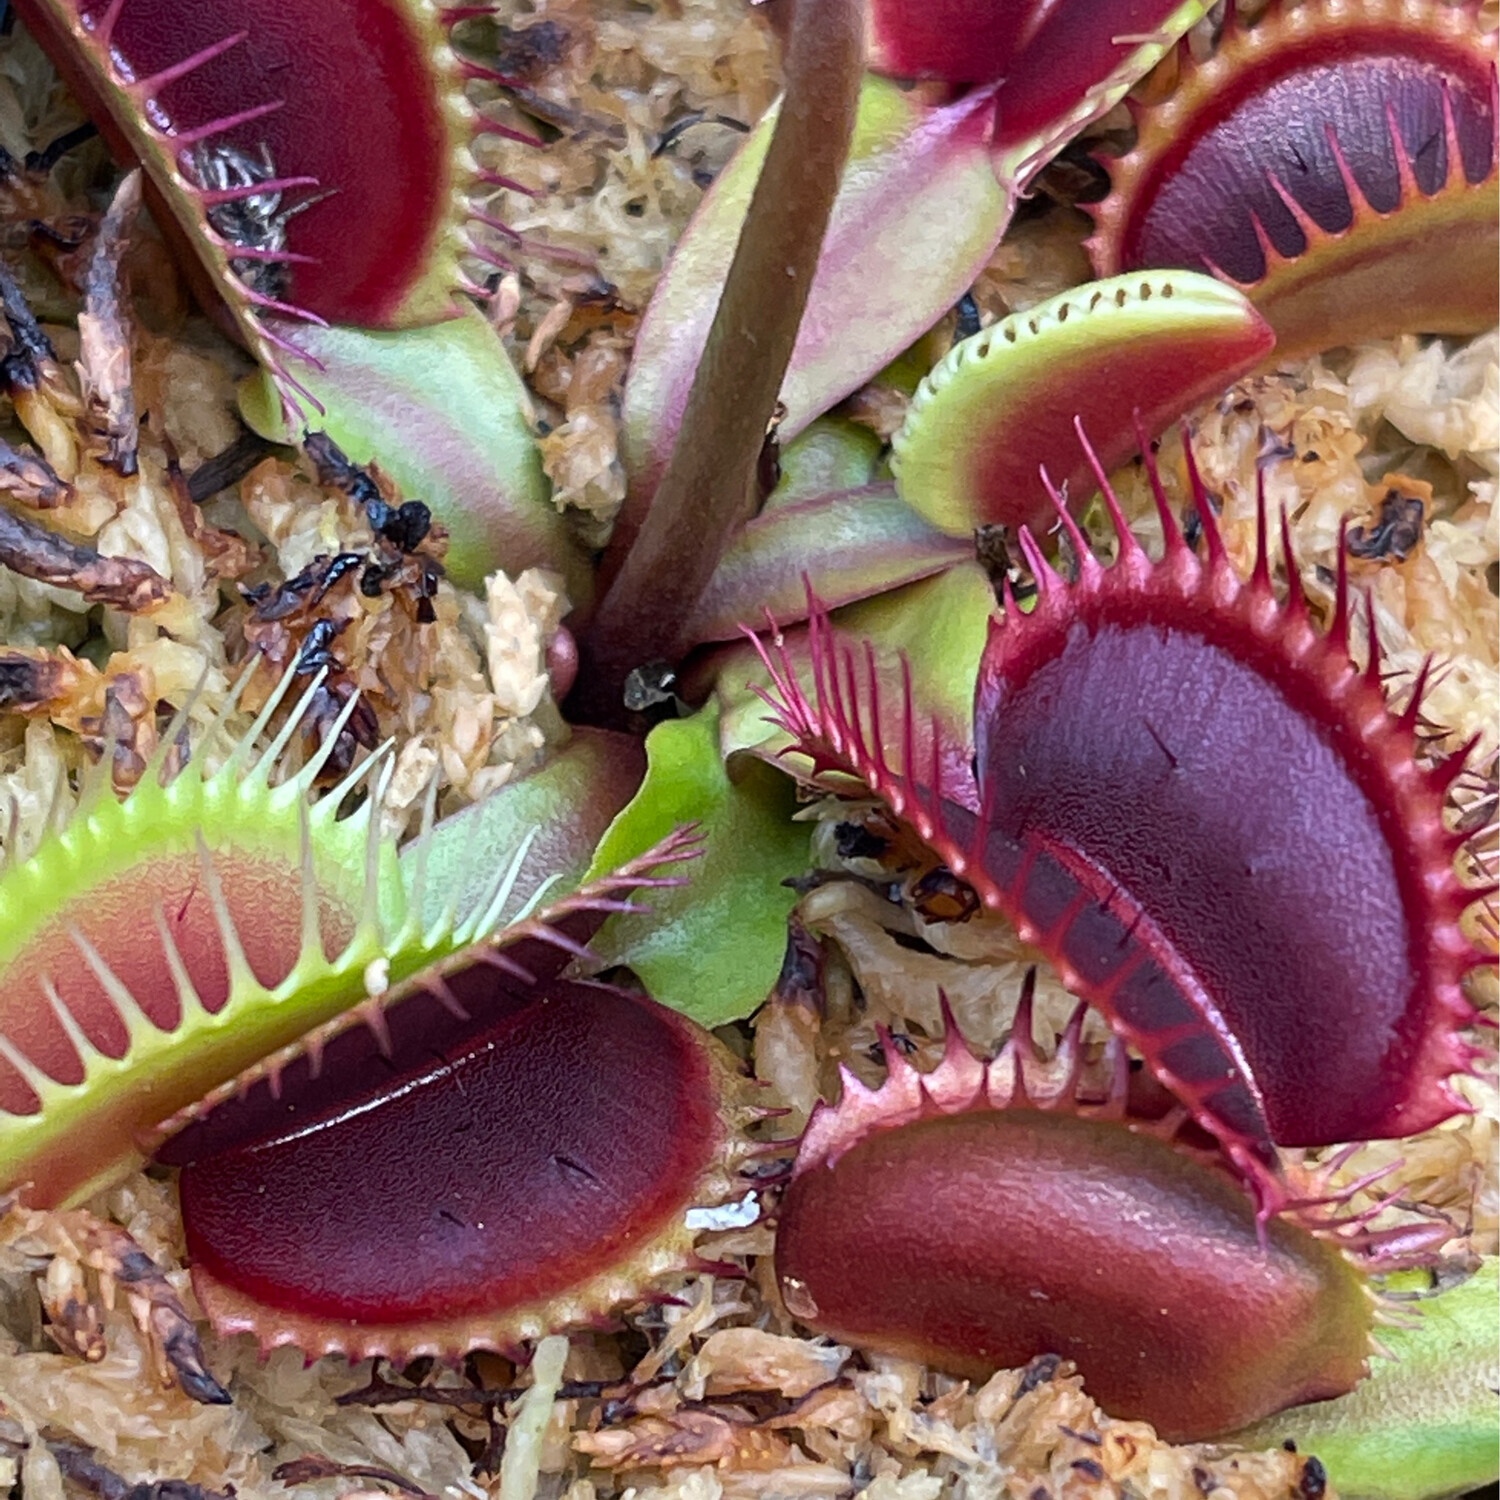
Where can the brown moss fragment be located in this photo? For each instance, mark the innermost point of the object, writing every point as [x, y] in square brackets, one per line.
[121, 582]
[31, 479]
[104, 331]
[77, 1242]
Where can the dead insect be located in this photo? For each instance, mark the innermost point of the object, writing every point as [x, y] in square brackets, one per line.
[1396, 535]
[768, 467]
[967, 321]
[345, 562]
[317, 651]
[255, 222]
[940, 896]
[653, 686]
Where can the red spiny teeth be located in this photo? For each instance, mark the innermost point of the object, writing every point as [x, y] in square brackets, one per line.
[148, 88]
[225, 123]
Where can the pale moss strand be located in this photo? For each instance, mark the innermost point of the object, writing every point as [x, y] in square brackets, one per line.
[522, 1464]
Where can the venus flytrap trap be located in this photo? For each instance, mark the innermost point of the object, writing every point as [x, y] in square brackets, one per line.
[259, 163]
[984, 1196]
[159, 945]
[1335, 162]
[1133, 353]
[490, 1046]
[225, 870]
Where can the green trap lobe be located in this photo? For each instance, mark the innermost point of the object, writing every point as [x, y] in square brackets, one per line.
[1003, 403]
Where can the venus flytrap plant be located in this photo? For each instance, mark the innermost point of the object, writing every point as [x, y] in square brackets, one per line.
[246, 959]
[1088, 785]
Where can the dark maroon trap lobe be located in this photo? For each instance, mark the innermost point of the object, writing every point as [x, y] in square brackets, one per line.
[1288, 119]
[542, 1152]
[1236, 828]
[356, 107]
[1045, 54]
[955, 40]
[985, 1238]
